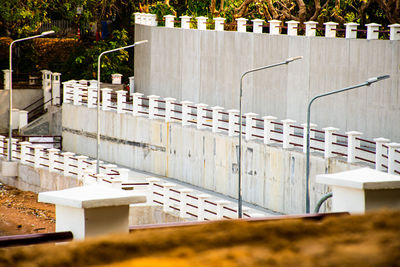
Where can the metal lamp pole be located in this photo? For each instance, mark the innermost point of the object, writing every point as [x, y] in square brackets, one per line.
[287, 61]
[10, 85]
[98, 97]
[367, 83]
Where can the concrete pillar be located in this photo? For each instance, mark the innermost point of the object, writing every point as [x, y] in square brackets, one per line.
[258, 25]
[87, 177]
[219, 24]
[23, 119]
[108, 169]
[67, 162]
[216, 117]
[116, 78]
[186, 109]
[185, 22]
[151, 189]
[6, 79]
[46, 86]
[201, 23]
[167, 196]
[92, 97]
[152, 20]
[372, 31]
[201, 113]
[330, 29]
[312, 135]
[100, 177]
[15, 118]
[288, 131]
[106, 96]
[241, 24]
[131, 85]
[2, 145]
[153, 104]
[221, 204]
[250, 124]
[329, 140]
[121, 101]
[52, 158]
[144, 19]
[81, 166]
[123, 174]
[311, 28]
[183, 201]
[38, 156]
[56, 89]
[274, 27]
[292, 26]
[393, 156]
[379, 152]
[138, 17]
[137, 103]
[394, 32]
[351, 30]
[68, 91]
[268, 128]
[77, 98]
[352, 144]
[201, 206]
[169, 106]
[169, 21]
[24, 151]
[233, 122]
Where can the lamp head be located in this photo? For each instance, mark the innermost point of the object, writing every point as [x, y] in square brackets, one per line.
[290, 59]
[141, 42]
[46, 33]
[377, 79]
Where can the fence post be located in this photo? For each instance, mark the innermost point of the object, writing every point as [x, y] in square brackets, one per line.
[152, 20]
[169, 21]
[52, 158]
[2, 145]
[330, 29]
[151, 189]
[274, 27]
[258, 25]
[100, 178]
[233, 121]
[92, 95]
[167, 193]
[66, 92]
[81, 166]
[106, 95]
[219, 24]
[292, 26]
[67, 161]
[351, 30]
[168, 108]
[268, 128]
[121, 100]
[287, 132]
[55, 89]
[24, 150]
[310, 28]
[152, 105]
[250, 123]
[392, 156]
[372, 29]
[379, 159]
[138, 17]
[394, 32]
[183, 201]
[77, 95]
[137, 103]
[312, 135]
[201, 23]
[352, 144]
[329, 139]
[14, 147]
[38, 154]
[108, 168]
[6, 79]
[216, 117]
[185, 112]
[87, 179]
[201, 206]
[241, 24]
[46, 86]
[201, 113]
[185, 22]
[221, 204]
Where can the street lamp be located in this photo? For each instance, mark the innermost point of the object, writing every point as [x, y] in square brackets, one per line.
[287, 61]
[98, 97]
[366, 83]
[10, 88]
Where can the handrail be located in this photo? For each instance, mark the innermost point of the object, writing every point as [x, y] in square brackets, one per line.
[33, 239]
[33, 103]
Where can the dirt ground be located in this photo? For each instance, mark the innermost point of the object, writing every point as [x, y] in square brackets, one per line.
[20, 213]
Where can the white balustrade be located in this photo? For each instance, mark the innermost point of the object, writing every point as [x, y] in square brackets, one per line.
[329, 140]
[92, 96]
[241, 24]
[101, 177]
[183, 202]
[201, 205]
[221, 204]
[268, 128]
[330, 29]
[312, 135]
[2, 145]
[185, 22]
[201, 23]
[352, 144]
[81, 166]
[153, 104]
[219, 24]
[87, 177]
[167, 196]
[372, 31]
[138, 17]
[392, 157]
[106, 96]
[250, 124]
[121, 101]
[152, 20]
[137, 103]
[288, 131]
[394, 32]
[77, 95]
[351, 30]
[292, 26]
[201, 114]
[169, 108]
[311, 28]
[233, 122]
[169, 21]
[67, 162]
[24, 151]
[186, 110]
[258, 25]
[123, 174]
[216, 118]
[52, 158]
[38, 152]
[14, 148]
[274, 27]
[151, 189]
[379, 155]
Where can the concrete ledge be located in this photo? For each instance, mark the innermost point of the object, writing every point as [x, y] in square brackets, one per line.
[9, 168]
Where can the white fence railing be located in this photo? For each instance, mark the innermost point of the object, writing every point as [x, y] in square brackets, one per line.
[385, 156]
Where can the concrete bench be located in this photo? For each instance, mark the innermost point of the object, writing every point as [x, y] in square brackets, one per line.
[92, 210]
[362, 190]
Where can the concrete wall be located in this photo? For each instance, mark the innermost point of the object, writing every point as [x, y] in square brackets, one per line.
[21, 99]
[206, 66]
[272, 177]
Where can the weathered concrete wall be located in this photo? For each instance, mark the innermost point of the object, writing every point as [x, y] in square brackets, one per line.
[272, 177]
[21, 99]
[206, 66]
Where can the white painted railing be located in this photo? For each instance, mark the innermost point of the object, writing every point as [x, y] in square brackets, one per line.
[275, 26]
[327, 141]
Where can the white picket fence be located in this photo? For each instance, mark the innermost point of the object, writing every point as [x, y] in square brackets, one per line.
[380, 152]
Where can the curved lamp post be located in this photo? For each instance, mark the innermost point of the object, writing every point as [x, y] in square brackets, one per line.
[366, 83]
[287, 61]
[10, 85]
[98, 97]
